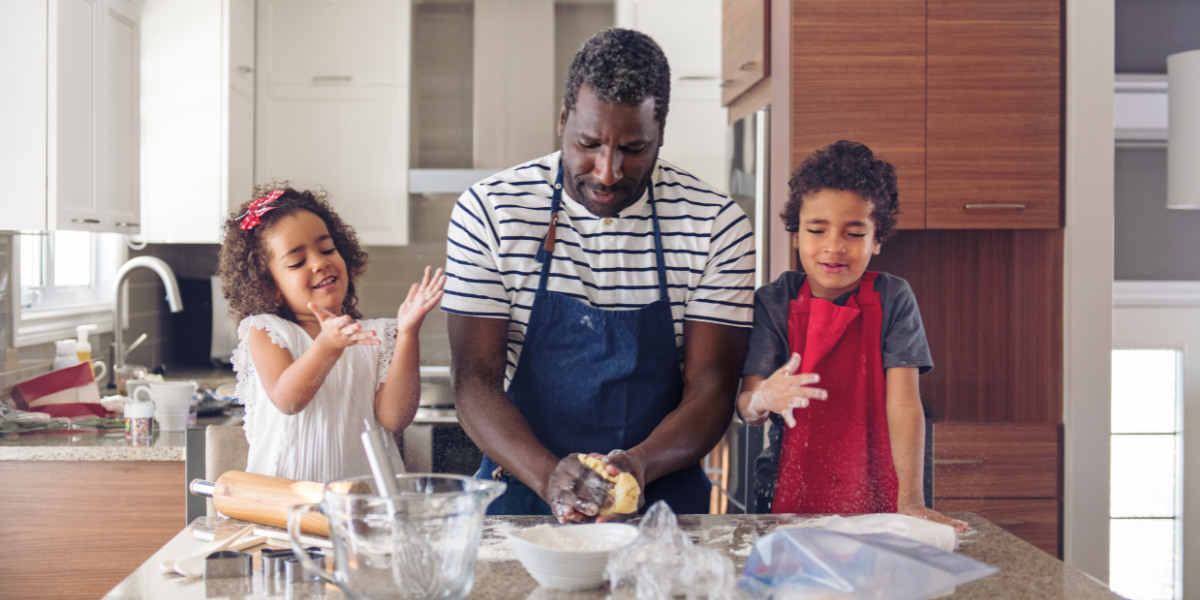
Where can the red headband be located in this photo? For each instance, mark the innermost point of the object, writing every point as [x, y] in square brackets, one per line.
[253, 215]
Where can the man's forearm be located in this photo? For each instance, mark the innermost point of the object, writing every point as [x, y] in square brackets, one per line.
[501, 432]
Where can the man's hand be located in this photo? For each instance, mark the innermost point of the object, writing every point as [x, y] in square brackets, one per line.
[919, 510]
[576, 493]
[782, 392]
[339, 333]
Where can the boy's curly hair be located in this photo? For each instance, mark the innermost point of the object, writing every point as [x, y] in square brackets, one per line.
[246, 280]
[852, 166]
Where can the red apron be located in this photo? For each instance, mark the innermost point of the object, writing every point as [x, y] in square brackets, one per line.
[838, 457]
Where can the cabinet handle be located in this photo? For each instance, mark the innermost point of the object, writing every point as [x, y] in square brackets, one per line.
[1008, 522]
[994, 206]
[87, 221]
[244, 69]
[331, 78]
[958, 461]
[748, 65]
[725, 83]
[125, 224]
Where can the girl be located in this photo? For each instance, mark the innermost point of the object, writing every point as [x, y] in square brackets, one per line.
[309, 372]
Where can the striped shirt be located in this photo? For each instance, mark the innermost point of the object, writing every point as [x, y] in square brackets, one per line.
[609, 263]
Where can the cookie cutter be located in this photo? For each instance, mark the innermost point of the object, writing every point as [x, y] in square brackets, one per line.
[272, 561]
[227, 563]
[294, 570]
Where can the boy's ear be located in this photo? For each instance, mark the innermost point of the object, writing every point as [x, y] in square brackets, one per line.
[796, 240]
[878, 246]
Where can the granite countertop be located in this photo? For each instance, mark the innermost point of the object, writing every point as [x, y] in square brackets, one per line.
[110, 444]
[1025, 571]
[103, 445]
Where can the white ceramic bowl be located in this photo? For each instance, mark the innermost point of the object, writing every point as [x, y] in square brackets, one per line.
[572, 569]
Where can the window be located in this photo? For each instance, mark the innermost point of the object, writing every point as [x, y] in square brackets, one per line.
[65, 279]
[1145, 524]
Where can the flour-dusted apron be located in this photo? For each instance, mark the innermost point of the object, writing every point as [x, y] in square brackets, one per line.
[594, 380]
[838, 457]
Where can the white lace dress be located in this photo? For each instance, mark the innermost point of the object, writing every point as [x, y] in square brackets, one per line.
[323, 442]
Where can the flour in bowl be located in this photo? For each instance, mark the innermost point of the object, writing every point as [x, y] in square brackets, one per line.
[549, 536]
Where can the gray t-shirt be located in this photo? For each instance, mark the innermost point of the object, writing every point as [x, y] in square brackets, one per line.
[902, 339]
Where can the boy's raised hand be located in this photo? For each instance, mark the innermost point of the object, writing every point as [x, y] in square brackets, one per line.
[422, 297]
[783, 391]
[341, 332]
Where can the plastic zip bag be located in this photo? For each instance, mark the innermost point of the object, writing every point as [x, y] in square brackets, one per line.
[805, 562]
[663, 562]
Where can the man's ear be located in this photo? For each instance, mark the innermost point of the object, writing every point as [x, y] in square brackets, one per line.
[562, 119]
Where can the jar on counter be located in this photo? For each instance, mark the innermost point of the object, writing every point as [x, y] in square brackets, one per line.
[139, 420]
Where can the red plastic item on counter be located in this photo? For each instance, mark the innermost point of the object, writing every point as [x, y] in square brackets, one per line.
[69, 392]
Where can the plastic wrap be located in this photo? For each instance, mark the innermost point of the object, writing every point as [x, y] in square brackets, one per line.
[663, 563]
[796, 563]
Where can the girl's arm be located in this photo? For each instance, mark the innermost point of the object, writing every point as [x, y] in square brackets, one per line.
[291, 385]
[397, 399]
[906, 428]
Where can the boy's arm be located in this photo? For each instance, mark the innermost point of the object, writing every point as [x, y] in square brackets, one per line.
[906, 428]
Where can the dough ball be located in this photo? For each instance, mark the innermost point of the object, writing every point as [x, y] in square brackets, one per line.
[625, 490]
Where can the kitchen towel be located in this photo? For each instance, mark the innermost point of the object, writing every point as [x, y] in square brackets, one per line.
[69, 392]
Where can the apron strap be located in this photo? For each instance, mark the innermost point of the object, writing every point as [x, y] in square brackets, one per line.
[543, 256]
[659, 261]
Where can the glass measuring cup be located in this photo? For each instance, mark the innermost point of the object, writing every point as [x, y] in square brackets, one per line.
[420, 545]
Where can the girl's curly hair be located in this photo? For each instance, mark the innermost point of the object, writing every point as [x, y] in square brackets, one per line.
[849, 166]
[246, 280]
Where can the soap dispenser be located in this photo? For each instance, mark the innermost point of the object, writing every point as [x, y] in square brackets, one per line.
[83, 350]
[64, 354]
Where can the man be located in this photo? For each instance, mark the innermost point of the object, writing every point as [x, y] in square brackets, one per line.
[579, 285]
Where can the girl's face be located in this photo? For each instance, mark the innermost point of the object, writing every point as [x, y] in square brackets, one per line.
[306, 265]
[836, 241]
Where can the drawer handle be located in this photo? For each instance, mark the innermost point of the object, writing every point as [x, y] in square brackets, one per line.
[87, 221]
[1008, 522]
[958, 461]
[317, 78]
[126, 224]
[748, 65]
[993, 206]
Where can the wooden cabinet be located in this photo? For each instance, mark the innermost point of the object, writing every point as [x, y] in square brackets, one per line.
[198, 110]
[745, 46]
[1008, 473]
[858, 73]
[332, 107]
[965, 98]
[71, 126]
[994, 122]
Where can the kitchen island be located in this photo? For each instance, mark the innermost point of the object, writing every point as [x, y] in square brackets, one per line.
[1025, 571]
[82, 508]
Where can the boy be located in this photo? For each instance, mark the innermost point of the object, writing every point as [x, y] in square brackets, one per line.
[860, 449]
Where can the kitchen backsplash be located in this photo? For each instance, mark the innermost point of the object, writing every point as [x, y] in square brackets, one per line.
[389, 274]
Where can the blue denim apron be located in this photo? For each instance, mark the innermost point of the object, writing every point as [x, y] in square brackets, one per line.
[593, 380]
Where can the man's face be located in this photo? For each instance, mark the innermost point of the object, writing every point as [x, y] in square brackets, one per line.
[609, 151]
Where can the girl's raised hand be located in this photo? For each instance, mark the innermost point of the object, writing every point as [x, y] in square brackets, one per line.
[422, 297]
[341, 332]
[783, 391]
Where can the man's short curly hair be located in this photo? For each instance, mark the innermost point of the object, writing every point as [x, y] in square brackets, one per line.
[849, 166]
[246, 280]
[621, 66]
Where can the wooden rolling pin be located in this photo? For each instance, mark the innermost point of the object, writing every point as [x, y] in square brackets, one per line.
[266, 500]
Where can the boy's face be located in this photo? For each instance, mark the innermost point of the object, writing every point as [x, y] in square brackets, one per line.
[836, 241]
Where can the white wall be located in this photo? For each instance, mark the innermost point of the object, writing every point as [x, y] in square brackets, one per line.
[1088, 319]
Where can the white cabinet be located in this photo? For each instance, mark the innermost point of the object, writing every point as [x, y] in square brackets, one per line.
[70, 115]
[689, 32]
[333, 107]
[198, 110]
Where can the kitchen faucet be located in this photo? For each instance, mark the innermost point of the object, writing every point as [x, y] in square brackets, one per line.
[173, 300]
